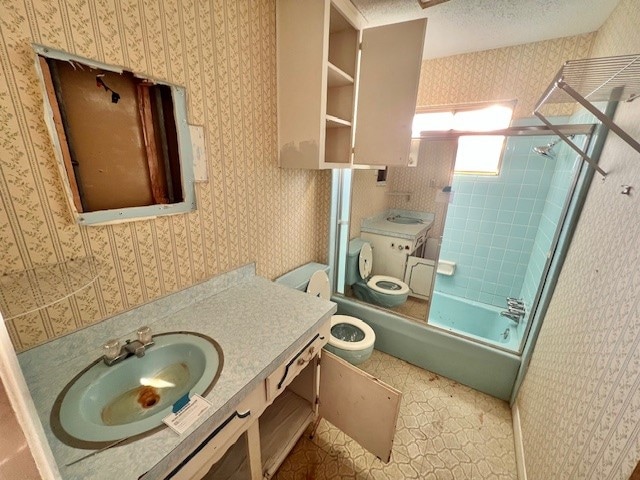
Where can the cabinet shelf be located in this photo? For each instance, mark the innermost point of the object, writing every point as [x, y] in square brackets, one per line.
[335, 122]
[31, 290]
[337, 77]
[281, 425]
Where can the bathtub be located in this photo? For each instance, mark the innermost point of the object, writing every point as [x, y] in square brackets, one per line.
[476, 320]
[437, 349]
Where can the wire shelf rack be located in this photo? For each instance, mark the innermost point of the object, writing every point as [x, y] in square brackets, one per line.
[606, 79]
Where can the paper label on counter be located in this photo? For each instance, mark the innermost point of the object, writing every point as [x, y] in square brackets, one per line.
[180, 421]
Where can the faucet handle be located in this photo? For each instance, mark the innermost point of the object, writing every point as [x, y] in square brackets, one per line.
[111, 349]
[144, 335]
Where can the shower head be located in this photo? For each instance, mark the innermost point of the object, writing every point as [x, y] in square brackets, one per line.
[547, 150]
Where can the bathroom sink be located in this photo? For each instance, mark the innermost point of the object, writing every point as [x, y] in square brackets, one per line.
[104, 404]
[404, 220]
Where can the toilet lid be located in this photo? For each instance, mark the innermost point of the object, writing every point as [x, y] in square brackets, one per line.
[319, 285]
[369, 335]
[388, 285]
[365, 260]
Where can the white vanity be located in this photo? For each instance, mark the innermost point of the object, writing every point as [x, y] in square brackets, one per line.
[275, 382]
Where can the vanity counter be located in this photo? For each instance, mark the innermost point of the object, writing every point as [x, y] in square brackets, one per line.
[257, 323]
[379, 224]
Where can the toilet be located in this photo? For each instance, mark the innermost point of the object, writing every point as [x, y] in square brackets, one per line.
[379, 290]
[351, 338]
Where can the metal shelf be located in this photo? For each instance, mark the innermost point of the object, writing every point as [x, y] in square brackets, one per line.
[31, 290]
[592, 80]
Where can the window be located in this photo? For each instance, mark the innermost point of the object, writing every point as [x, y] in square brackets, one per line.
[122, 140]
[477, 154]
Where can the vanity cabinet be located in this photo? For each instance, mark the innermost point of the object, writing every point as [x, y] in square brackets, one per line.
[346, 93]
[254, 441]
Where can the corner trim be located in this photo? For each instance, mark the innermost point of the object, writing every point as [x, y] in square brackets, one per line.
[518, 443]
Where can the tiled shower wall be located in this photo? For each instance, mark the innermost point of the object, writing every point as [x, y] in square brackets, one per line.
[224, 53]
[565, 164]
[492, 223]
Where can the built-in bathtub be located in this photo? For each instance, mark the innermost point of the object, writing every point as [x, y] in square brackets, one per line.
[478, 365]
[476, 320]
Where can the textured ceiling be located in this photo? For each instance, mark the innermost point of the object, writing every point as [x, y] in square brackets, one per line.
[462, 26]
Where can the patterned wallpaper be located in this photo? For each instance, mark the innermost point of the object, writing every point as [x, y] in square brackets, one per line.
[521, 72]
[580, 401]
[425, 180]
[367, 198]
[250, 210]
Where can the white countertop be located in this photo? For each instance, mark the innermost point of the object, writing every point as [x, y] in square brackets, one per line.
[257, 323]
[379, 224]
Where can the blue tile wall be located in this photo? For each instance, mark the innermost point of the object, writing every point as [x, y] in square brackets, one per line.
[566, 164]
[492, 224]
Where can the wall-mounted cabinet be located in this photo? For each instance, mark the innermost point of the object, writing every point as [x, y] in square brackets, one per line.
[346, 93]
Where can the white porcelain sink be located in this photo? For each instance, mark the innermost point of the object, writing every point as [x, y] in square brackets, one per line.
[404, 220]
[103, 404]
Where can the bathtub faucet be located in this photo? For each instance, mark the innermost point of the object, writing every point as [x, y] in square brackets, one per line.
[511, 316]
[515, 309]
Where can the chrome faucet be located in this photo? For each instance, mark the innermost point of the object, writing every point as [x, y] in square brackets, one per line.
[114, 353]
[511, 315]
[515, 309]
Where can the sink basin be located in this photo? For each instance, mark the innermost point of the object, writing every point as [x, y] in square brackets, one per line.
[105, 404]
[404, 220]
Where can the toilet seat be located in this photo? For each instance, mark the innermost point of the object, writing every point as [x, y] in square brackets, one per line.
[319, 285]
[366, 342]
[395, 285]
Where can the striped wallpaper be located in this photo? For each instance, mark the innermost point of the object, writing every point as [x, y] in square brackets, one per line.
[223, 52]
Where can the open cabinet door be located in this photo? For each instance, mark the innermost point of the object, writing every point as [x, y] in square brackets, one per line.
[390, 65]
[359, 404]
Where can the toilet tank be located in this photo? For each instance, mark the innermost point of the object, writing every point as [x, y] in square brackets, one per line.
[299, 277]
[353, 273]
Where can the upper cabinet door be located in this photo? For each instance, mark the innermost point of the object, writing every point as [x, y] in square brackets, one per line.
[388, 88]
[360, 405]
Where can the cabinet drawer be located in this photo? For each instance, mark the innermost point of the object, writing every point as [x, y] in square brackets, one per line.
[200, 461]
[285, 373]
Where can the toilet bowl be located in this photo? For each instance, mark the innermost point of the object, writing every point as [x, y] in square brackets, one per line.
[351, 338]
[379, 290]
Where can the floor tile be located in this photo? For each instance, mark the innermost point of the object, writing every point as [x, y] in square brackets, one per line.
[445, 431]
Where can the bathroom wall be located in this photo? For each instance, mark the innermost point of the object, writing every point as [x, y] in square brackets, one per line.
[15, 457]
[250, 210]
[580, 400]
[424, 181]
[492, 223]
[521, 72]
[367, 198]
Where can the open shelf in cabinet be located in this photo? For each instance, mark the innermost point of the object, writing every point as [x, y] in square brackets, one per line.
[337, 78]
[335, 122]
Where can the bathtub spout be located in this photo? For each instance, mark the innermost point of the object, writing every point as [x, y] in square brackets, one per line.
[511, 316]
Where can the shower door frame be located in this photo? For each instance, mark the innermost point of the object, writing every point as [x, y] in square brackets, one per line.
[340, 218]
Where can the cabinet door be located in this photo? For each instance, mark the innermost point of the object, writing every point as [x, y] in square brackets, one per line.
[418, 276]
[359, 404]
[388, 88]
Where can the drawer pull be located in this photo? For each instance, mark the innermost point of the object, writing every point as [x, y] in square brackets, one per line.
[292, 361]
[206, 441]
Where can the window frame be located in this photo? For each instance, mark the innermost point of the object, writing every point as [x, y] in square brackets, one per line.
[451, 133]
[185, 149]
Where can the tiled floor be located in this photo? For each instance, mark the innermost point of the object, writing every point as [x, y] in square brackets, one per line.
[414, 308]
[445, 431]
